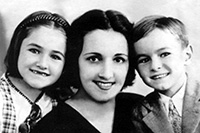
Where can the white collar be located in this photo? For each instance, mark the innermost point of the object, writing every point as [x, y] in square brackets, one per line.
[177, 99]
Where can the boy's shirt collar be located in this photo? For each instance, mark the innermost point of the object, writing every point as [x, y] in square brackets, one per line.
[177, 100]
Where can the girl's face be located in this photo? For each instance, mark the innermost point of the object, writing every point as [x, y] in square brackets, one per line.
[161, 61]
[103, 64]
[42, 56]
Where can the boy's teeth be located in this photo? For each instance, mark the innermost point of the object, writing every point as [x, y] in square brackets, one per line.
[160, 76]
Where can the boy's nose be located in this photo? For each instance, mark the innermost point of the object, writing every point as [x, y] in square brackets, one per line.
[156, 64]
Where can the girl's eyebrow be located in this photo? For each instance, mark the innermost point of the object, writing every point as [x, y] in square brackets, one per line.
[58, 52]
[54, 51]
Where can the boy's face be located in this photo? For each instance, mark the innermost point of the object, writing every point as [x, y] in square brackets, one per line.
[161, 61]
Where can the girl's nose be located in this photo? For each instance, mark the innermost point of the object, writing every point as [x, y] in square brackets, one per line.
[42, 62]
[106, 71]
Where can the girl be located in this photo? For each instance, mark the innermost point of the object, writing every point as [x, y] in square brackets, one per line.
[35, 62]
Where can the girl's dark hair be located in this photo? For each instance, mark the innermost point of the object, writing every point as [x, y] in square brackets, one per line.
[24, 29]
[90, 21]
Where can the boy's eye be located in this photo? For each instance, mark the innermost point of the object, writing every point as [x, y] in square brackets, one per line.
[35, 51]
[143, 60]
[119, 59]
[56, 57]
[164, 54]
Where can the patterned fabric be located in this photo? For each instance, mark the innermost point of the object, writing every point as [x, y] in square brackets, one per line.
[9, 116]
[174, 117]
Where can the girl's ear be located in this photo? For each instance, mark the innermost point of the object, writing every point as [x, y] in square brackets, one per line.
[188, 51]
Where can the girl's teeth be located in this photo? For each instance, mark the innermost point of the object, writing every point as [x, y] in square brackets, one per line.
[43, 74]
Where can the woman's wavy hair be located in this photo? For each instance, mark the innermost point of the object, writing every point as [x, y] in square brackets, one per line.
[88, 22]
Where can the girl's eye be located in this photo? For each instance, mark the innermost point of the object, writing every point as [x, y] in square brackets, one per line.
[34, 51]
[56, 57]
[143, 60]
[120, 60]
[164, 54]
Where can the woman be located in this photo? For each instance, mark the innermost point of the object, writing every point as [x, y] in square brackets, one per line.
[100, 66]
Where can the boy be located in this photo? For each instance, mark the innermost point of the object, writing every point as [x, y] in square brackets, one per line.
[162, 52]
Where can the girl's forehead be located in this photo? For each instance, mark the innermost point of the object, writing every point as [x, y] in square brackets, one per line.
[46, 37]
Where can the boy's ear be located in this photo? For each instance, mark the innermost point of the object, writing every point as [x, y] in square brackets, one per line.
[188, 54]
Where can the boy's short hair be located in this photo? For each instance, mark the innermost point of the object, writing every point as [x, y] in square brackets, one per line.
[149, 23]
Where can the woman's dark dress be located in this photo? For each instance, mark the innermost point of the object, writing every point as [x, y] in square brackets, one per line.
[65, 119]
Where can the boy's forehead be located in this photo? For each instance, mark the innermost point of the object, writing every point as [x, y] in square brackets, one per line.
[157, 39]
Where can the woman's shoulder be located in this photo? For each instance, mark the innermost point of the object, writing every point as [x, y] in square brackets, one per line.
[63, 118]
[129, 97]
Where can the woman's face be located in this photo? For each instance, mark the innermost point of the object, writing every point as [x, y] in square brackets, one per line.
[103, 64]
[42, 56]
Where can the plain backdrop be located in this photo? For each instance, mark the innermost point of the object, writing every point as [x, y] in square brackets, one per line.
[188, 11]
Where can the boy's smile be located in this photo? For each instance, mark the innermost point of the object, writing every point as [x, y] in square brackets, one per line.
[161, 60]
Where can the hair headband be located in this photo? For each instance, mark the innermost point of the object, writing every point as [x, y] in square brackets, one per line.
[43, 15]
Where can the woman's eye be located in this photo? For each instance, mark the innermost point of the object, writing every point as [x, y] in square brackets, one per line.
[120, 60]
[56, 57]
[35, 51]
[93, 59]
[165, 54]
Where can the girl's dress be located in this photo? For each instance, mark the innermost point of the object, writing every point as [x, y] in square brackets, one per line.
[14, 107]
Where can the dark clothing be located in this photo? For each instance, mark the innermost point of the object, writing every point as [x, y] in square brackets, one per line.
[65, 119]
[125, 103]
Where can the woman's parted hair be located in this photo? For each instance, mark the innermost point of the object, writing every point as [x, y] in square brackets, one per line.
[88, 22]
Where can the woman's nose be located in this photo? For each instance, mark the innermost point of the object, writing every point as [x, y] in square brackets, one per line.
[106, 71]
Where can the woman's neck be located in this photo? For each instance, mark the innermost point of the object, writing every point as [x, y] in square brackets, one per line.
[99, 114]
[29, 92]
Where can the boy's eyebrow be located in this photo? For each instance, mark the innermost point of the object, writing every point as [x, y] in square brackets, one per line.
[162, 49]
[38, 46]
